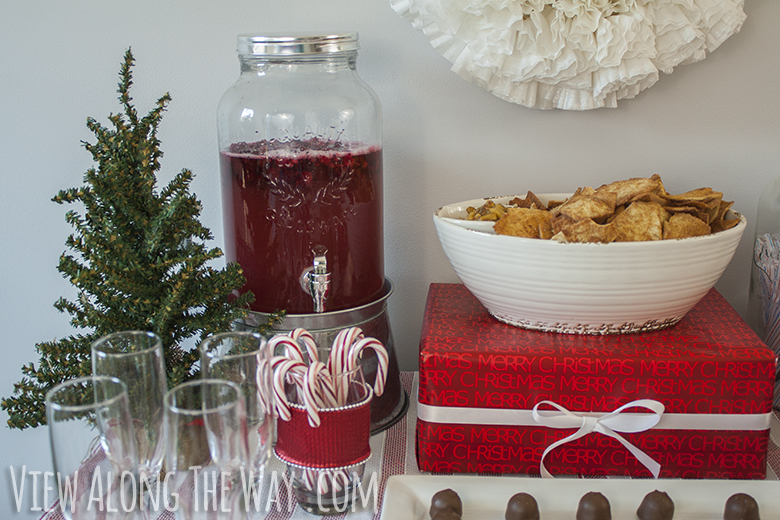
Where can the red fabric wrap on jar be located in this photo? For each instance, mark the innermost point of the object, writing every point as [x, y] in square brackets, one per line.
[341, 440]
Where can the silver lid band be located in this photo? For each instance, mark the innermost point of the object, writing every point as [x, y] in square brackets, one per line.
[276, 45]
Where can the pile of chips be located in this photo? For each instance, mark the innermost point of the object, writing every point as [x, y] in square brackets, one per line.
[632, 210]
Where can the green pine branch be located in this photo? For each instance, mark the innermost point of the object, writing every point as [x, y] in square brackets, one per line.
[137, 256]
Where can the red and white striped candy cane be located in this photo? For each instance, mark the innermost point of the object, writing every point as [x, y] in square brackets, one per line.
[309, 477]
[265, 395]
[298, 368]
[322, 388]
[292, 350]
[326, 479]
[313, 397]
[316, 478]
[311, 383]
[356, 350]
[323, 481]
[281, 369]
[341, 479]
[338, 361]
[328, 390]
[339, 351]
[304, 336]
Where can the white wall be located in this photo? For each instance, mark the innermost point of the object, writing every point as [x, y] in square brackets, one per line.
[715, 123]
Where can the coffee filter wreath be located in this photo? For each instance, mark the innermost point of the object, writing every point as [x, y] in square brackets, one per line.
[571, 54]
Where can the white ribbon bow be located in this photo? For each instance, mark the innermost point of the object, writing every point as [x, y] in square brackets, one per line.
[606, 424]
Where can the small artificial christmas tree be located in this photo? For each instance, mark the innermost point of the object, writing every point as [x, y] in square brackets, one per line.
[141, 263]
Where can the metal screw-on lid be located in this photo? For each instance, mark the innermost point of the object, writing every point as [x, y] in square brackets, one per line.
[299, 45]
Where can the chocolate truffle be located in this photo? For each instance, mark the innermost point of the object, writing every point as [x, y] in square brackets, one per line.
[594, 506]
[741, 506]
[446, 499]
[656, 506]
[522, 506]
[446, 514]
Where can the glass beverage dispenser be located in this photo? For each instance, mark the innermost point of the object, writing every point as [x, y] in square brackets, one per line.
[300, 139]
[301, 159]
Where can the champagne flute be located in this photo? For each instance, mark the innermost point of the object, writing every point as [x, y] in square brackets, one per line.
[136, 358]
[206, 447]
[244, 359]
[93, 448]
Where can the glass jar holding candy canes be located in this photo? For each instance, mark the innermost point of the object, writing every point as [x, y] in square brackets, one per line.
[324, 416]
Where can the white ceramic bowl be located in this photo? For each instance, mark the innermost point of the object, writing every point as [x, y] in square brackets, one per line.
[580, 288]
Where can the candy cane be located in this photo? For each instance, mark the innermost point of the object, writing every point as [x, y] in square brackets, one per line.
[263, 393]
[309, 477]
[327, 479]
[340, 479]
[312, 412]
[291, 347]
[281, 370]
[328, 391]
[323, 482]
[312, 395]
[338, 361]
[320, 385]
[339, 351]
[304, 336]
[293, 352]
[294, 371]
[356, 350]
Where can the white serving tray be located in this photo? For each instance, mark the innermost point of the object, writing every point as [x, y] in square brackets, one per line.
[485, 498]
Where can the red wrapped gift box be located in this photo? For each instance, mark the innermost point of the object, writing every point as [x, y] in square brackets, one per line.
[690, 401]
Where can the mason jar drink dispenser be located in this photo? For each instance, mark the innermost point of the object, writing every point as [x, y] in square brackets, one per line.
[301, 158]
[300, 140]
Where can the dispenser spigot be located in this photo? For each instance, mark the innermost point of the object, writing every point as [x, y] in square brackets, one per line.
[315, 280]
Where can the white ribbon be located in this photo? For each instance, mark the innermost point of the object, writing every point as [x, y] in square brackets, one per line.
[606, 424]
[522, 417]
